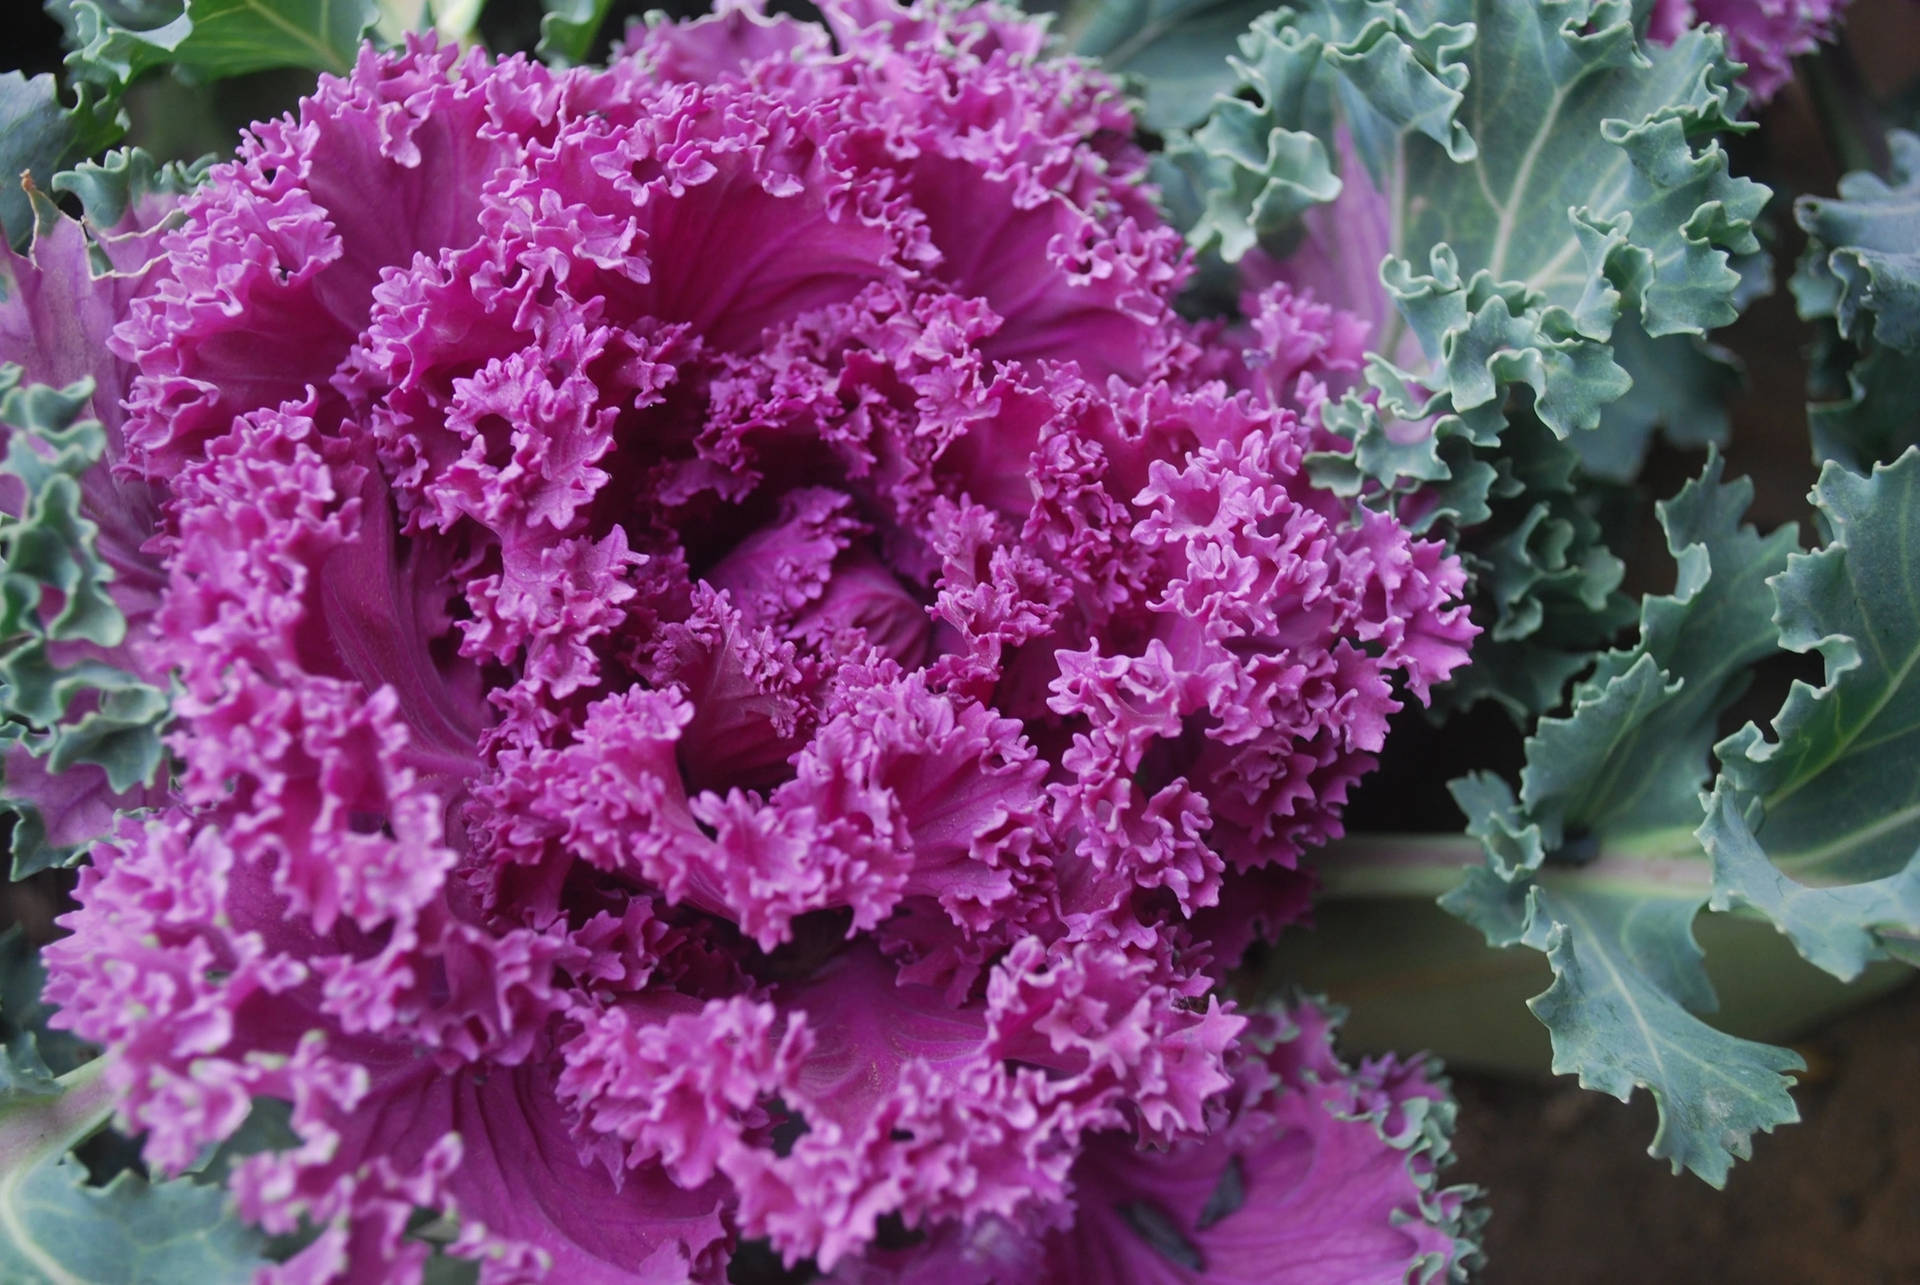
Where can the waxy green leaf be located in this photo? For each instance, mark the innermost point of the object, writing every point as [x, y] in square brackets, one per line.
[568, 28]
[1176, 49]
[36, 138]
[56, 1228]
[1832, 797]
[1860, 278]
[64, 702]
[214, 39]
[1579, 860]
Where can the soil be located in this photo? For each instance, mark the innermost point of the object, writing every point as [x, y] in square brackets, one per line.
[1833, 1200]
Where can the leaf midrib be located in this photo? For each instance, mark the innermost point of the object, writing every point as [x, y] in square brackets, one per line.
[330, 58]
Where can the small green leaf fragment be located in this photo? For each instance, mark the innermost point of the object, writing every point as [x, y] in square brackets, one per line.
[212, 39]
[1227, 1197]
[1860, 278]
[36, 138]
[568, 28]
[1863, 258]
[1154, 1225]
[1176, 49]
[54, 1226]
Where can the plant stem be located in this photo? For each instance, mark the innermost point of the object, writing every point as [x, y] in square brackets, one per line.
[35, 1127]
[1659, 864]
[1394, 865]
[1845, 109]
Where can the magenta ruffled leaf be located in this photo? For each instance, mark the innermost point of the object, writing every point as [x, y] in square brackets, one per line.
[717, 698]
[1766, 35]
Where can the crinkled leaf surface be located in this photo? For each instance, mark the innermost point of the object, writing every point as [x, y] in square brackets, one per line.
[212, 39]
[1549, 181]
[1564, 229]
[61, 1231]
[1832, 798]
[1681, 386]
[1865, 412]
[1606, 853]
[1177, 49]
[63, 704]
[108, 186]
[1863, 262]
[1631, 757]
[1592, 861]
[1860, 276]
[40, 133]
[111, 45]
[1628, 983]
[1546, 586]
[1624, 1012]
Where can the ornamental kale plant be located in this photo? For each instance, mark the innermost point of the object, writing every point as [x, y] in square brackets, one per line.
[728, 649]
[740, 655]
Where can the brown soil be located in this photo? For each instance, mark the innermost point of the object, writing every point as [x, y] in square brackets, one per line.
[1833, 1200]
